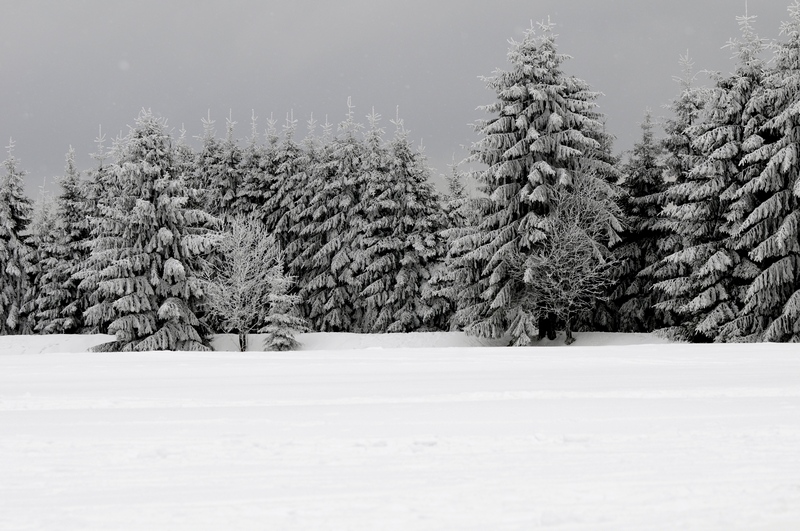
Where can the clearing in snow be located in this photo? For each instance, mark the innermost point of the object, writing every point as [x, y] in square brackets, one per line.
[401, 432]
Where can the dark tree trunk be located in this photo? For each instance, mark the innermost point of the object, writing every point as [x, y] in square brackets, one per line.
[243, 341]
[547, 326]
[568, 329]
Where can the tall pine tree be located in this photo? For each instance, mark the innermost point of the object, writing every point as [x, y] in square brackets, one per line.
[545, 129]
[707, 292]
[400, 241]
[149, 292]
[441, 292]
[299, 216]
[39, 239]
[291, 181]
[330, 292]
[642, 180]
[15, 215]
[675, 224]
[770, 230]
[97, 190]
[59, 308]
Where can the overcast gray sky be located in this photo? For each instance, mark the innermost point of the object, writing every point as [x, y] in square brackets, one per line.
[69, 66]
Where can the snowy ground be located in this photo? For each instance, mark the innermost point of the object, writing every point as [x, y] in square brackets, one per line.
[631, 435]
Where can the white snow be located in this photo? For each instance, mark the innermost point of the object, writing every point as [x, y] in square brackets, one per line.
[621, 432]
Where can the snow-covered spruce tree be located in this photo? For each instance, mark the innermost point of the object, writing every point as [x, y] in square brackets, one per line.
[571, 270]
[15, 215]
[299, 217]
[709, 290]
[310, 213]
[207, 161]
[544, 131]
[423, 220]
[687, 108]
[250, 192]
[283, 321]
[261, 188]
[232, 169]
[247, 288]
[374, 241]
[291, 181]
[185, 168]
[642, 180]
[681, 157]
[98, 189]
[456, 203]
[330, 290]
[770, 230]
[218, 170]
[440, 293]
[58, 306]
[400, 241]
[39, 239]
[149, 291]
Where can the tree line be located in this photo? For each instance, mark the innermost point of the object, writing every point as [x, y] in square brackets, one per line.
[694, 235]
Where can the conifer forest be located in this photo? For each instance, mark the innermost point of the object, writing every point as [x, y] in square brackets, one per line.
[299, 225]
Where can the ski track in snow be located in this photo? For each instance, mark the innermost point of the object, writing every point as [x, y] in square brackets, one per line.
[636, 437]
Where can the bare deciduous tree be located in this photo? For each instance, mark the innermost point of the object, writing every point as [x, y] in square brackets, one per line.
[242, 285]
[571, 269]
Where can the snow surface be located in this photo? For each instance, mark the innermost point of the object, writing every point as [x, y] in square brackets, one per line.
[637, 434]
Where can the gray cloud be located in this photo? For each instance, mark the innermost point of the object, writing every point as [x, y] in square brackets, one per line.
[70, 66]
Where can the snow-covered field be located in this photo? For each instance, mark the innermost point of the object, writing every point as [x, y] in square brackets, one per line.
[614, 432]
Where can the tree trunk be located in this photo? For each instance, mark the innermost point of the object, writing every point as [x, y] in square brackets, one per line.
[547, 326]
[242, 341]
[568, 330]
